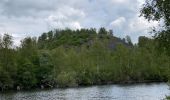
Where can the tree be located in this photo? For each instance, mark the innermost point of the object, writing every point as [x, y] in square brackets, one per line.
[6, 52]
[66, 79]
[0, 42]
[5, 79]
[26, 75]
[42, 40]
[44, 72]
[43, 36]
[128, 40]
[111, 32]
[28, 47]
[79, 57]
[102, 30]
[143, 41]
[56, 33]
[7, 41]
[159, 10]
[50, 35]
[7, 62]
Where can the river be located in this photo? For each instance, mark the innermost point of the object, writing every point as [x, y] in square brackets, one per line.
[152, 91]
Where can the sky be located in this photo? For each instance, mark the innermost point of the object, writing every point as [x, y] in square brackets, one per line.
[22, 18]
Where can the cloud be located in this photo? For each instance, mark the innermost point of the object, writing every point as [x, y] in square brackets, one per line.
[65, 17]
[119, 1]
[118, 22]
[32, 17]
[140, 24]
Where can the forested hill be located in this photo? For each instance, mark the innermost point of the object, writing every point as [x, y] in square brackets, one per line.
[77, 38]
[66, 58]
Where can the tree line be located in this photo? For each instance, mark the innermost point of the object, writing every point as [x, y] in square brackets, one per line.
[66, 58]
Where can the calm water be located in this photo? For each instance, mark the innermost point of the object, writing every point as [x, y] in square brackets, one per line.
[155, 91]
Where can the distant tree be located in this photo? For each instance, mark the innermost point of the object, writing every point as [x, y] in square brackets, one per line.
[92, 30]
[28, 51]
[56, 33]
[143, 41]
[102, 30]
[111, 32]
[28, 46]
[43, 36]
[50, 35]
[7, 41]
[0, 42]
[128, 40]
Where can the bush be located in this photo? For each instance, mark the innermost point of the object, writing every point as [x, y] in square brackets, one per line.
[66, 79]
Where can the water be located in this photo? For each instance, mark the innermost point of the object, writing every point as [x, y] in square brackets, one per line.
[154, 91]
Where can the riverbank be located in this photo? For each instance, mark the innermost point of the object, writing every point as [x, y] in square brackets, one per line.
[87, 85]
[142, 91]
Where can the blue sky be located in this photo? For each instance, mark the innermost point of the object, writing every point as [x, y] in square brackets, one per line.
[21, 18]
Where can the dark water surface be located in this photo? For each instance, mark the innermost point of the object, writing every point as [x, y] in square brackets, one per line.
[154, 91]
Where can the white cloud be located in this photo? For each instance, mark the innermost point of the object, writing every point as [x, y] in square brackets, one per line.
[141, 2]
[118, 22]
[66, 17]
[57, 18]
[141, 24]
[119, 1]
[70, 11]
[76, 25]
[138, 26]
[22, 27]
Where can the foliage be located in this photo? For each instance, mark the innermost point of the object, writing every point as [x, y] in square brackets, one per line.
[66, 79]
[65, 58]
[159, 10]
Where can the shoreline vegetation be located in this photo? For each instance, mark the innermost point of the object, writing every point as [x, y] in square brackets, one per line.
[67, 58]
[84, 86]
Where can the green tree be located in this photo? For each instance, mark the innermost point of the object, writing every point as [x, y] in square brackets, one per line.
[102, 30]
[159, 10]
[44, 72]
[50, 35]
[26, 75]
[66, 79]
[27, 63]
[5, 79]
[7, 62]
[128, 40]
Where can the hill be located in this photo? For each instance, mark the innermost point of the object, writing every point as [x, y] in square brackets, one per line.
[76, 38]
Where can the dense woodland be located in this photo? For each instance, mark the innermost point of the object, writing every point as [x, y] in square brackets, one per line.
[66, 58]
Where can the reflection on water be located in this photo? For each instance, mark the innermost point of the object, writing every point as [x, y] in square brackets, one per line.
[152, 91]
